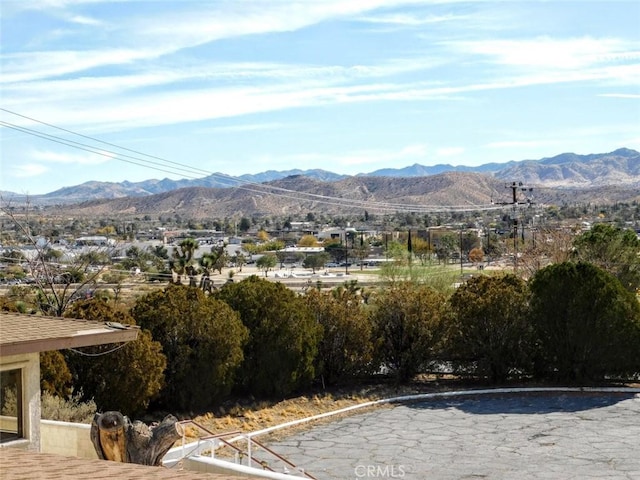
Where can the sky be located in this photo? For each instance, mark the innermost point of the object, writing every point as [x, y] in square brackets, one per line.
[120, 90]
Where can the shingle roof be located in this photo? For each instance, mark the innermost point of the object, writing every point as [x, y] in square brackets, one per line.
[21, 333]
[17, 464]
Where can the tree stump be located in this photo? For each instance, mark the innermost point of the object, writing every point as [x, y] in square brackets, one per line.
[115, 438]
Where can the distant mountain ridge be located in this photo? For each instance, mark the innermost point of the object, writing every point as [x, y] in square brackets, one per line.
[620, 167]
[298, 195]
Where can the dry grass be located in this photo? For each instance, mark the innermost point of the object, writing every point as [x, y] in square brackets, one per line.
[260, 415]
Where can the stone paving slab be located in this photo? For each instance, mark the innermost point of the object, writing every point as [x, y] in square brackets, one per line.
[549, 436]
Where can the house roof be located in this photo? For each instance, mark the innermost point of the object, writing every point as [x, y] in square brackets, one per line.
[21, 333]
[17, 464]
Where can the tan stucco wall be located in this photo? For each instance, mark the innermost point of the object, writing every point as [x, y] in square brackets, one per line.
[64, 438]
[30, 365]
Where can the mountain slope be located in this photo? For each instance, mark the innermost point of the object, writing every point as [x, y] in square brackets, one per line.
[619, 168]
[301, 195]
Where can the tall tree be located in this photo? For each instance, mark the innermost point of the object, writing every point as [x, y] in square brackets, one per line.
[58, 284]
[267, 262]
[216, 259]
[182, 260]
[244, 225]
[421, 250]
[476, 255]
[239, 260]
[316, 261]
[308, 241]
[447, 243]
[283, 336]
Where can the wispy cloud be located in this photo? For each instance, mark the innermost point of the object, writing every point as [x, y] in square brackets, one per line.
[28, 170]
[250, 127]
[167, 106]
[84, 20]
[82, 159]
[141, 34]
[193, 89]
[22, 67]
[410, 20]
[547, 52]
[634, 96]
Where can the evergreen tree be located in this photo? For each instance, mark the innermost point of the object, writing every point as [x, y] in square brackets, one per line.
[283, 336]
[490, 332]
[124, 379]
[587, 324]
[202, 339]
[408, 321]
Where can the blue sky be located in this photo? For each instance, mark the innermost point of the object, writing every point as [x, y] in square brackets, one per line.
[347, 86]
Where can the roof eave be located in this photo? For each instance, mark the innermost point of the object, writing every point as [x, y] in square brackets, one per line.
[80, 339]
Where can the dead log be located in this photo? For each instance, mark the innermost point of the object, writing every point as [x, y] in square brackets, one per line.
[115, 438]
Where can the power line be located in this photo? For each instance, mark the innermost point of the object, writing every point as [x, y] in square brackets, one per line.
[176, 168]
[80, 146]
[97, 139]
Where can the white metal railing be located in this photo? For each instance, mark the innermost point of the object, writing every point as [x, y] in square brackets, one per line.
[211, 442]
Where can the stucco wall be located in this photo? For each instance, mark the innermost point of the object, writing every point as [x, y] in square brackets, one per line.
[64, 438]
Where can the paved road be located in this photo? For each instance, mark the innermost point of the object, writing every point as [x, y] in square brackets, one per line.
[542, 436]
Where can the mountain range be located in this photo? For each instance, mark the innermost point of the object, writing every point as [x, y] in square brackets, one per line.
[604, 177]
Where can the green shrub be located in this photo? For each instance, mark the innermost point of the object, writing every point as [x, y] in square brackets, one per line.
[283, 337]
[346, 346]
[202, 339]
[490, 332]
[409, 321]
[123, 377]
[587, 324]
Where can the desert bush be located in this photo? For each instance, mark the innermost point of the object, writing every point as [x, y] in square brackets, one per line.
[346, 347]
[202, 339]
[490, 333]
[586, 323]
[123, 378]
[283, 337]
[67, 409]
[408, 323]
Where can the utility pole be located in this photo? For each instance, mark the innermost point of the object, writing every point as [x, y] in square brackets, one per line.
[488, 244]
[515, 186]
[515, 245]
[514, 195]
[346, 253]
[461, 250]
